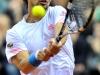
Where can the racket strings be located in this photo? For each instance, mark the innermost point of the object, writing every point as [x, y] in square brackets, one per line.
[79, 6]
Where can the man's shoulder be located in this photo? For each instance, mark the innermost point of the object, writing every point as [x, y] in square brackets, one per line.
[18, 24]
[16, 27]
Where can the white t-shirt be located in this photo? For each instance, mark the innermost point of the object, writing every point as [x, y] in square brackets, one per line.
[35, 36]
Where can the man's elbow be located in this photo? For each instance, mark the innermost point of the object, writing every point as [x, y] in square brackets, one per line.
[26, 70]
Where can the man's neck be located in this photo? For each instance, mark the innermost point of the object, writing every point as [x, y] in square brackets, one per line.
[32, 19]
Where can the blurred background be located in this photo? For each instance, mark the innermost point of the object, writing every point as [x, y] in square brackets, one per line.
[86, 45]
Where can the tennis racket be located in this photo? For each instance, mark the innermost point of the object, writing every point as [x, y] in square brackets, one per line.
[78, 20]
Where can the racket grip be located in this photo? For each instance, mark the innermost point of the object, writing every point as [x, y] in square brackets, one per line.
[58, 39]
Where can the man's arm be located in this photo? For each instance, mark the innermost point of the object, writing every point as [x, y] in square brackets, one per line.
[22, 62]
[59, 16]
[26, 62]
[58, 27]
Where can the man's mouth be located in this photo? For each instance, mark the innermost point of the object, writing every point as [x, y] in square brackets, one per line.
[43, 2]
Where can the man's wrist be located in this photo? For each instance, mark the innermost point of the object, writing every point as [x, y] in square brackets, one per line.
[34, 61]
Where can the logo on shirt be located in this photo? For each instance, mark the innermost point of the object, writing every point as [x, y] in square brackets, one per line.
[10, 45]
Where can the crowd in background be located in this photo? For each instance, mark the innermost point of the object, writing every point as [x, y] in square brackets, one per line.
[86, 45]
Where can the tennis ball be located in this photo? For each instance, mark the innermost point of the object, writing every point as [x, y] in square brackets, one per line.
[38, 11]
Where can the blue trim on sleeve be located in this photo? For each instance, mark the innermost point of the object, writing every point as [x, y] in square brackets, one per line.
[33, 60]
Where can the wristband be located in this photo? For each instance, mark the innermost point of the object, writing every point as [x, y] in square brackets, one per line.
[34, 61]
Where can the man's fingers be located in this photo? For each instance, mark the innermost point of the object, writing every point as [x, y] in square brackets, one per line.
[63, 40]
[41, 55]
[60, 44]
[47, 52]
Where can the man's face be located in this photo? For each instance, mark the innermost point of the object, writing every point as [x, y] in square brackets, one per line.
[45, 3]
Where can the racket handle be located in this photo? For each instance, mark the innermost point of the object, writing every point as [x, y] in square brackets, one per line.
[58, 39]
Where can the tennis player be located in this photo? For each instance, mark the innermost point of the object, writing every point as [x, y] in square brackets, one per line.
[31, 43]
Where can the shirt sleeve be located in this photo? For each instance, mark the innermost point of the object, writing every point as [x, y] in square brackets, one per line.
[14, 44]
[59, 14]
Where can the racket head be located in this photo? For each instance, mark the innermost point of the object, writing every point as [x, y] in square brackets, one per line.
[77, 20]
[82, 11]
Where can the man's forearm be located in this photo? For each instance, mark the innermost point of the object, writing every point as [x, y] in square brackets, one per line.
[22, 62]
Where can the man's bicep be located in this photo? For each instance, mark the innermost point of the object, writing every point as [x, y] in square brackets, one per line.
[58, 27]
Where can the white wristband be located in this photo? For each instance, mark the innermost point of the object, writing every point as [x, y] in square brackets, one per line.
[36, 54]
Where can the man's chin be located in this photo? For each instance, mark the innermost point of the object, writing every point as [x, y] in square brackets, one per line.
[45, 5]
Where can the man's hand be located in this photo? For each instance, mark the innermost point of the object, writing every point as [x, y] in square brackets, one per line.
[52, 49]
[54, 46]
